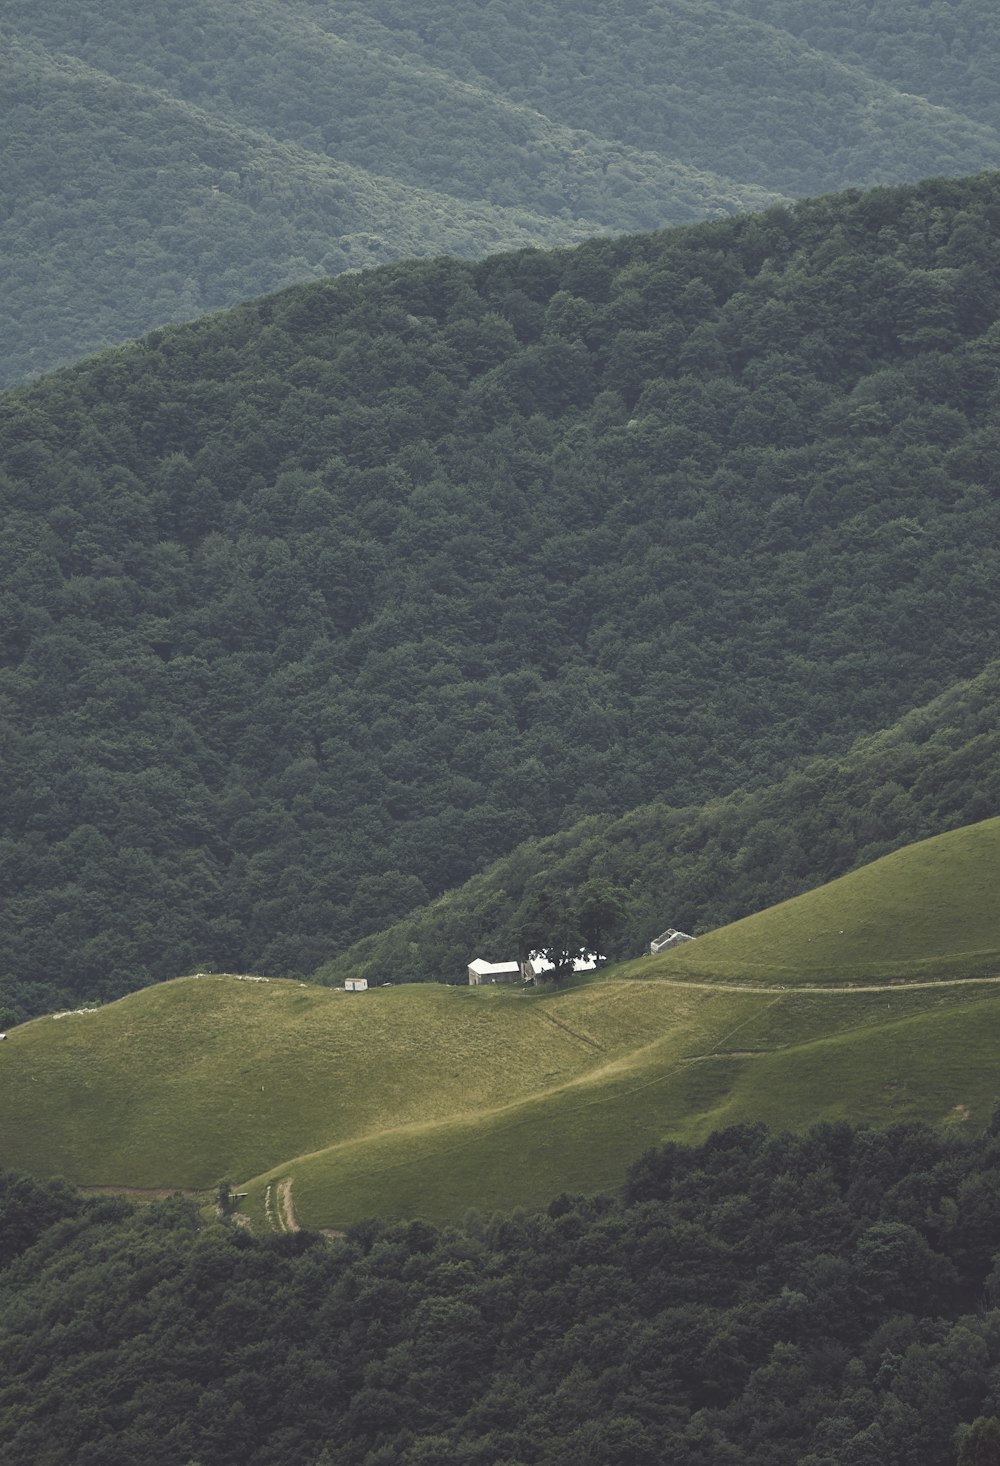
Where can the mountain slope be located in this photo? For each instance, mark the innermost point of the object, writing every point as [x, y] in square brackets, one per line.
[157, 169]
[178, 211]
[761, 1059]
[928, 910]
[315, 608]
[765, 1298]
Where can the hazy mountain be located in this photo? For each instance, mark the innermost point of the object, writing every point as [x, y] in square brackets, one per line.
[158, 167]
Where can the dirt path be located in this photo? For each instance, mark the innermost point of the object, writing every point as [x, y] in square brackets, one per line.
[143, 1193]
[286, 1212]
[903, 985]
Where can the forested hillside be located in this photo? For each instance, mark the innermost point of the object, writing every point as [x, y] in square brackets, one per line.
[943, 53]
[763, 1300]
[314, 609]
[711, 864]
[159, 167]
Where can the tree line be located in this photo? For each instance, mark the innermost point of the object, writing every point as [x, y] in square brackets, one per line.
[764, 1299]
[704, 866]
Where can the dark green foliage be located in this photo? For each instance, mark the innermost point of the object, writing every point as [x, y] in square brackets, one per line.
[702, 867]
[27, 1209]
[981, 1443]
[764, 1298]
[155, 170]
[314, 609]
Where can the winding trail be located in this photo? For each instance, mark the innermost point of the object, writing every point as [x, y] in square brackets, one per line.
[902, 985]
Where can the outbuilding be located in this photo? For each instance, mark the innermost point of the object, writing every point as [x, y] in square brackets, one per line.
[670, 938]
[481, 972]
[355, 984]
[541, 966]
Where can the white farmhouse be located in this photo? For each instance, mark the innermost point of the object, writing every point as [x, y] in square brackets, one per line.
[541, 965]
[535, 967]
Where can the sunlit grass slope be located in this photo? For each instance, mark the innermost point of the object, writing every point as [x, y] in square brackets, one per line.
[789, 1059]
[193, 1080]
[427, 1100]
[927, 911]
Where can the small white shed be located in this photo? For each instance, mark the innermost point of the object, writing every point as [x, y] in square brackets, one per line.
[670, 938]
[355, 984]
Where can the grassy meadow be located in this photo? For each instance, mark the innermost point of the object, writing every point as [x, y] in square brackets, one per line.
[428, 1100]
[425, 1100]
[722, 1058]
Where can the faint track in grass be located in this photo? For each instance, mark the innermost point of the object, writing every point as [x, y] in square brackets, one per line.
[902, 985]
[286, 1212]
[582, 1037]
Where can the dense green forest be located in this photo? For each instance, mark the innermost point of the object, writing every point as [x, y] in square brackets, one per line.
[763, 1300]
[707, 865]
[314, 609]
[159, 167]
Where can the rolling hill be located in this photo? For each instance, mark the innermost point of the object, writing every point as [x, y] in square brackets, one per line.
[427, 1100]
[158, 170]
[928, 910]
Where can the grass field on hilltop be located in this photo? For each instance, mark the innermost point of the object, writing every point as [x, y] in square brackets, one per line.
[429, 1100]
[928, 911]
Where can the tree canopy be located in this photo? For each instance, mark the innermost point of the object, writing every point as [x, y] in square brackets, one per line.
[765, 1299]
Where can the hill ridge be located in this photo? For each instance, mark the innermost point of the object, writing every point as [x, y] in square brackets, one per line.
[581, 122]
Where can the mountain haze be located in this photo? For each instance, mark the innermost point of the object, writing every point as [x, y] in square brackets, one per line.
[158, 167]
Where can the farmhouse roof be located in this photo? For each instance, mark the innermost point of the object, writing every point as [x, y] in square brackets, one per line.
[670, 938]
[483, 967]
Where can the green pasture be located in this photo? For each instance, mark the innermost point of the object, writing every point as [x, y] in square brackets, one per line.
[430, 1101]
[187, 1082]
[790, 1059]
[426, 1100]
[928, 911]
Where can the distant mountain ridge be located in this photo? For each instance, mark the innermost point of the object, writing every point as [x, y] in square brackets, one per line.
[157, 169]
